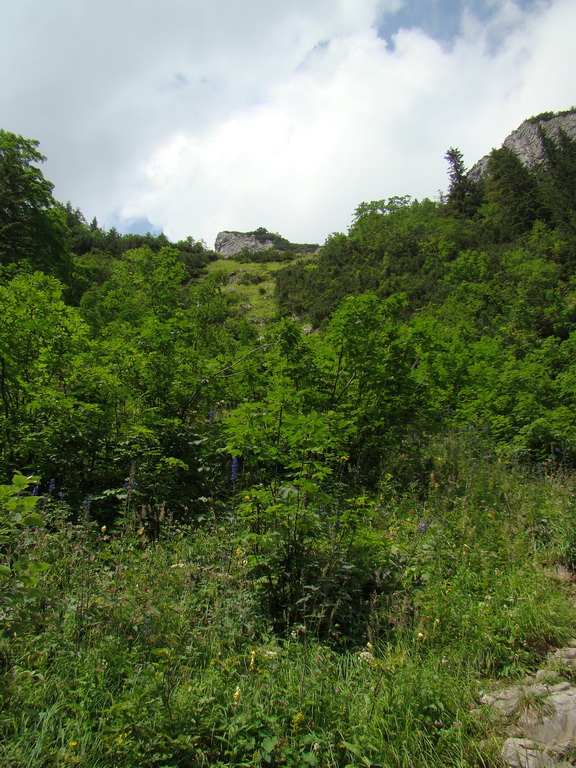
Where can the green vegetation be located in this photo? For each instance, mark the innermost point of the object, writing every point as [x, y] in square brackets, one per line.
[229, 541]
[249, 282]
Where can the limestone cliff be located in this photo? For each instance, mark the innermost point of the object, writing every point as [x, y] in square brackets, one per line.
[525, 140]
[231, 243]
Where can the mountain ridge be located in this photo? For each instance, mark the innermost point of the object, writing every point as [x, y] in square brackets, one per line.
[525, 140]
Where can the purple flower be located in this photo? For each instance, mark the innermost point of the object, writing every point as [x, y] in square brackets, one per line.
[52, 485]
[422, 526]
[234, 469]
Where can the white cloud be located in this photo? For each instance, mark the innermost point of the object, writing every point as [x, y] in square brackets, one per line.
[286, 114]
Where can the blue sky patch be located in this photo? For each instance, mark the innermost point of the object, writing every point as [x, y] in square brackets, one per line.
[439, 19]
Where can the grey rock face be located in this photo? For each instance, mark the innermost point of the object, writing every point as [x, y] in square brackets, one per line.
[230, 243]
[525, 141]
[541, 717]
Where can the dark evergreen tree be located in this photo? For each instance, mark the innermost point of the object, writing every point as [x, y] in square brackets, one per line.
[511, 192]
[464, 194]
[558, 177]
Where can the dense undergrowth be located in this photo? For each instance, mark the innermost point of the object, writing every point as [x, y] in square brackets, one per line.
[162, 652]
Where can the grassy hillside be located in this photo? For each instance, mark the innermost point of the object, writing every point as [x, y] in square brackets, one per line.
[252, 284]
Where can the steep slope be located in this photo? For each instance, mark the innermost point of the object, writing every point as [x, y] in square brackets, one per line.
[525, 140]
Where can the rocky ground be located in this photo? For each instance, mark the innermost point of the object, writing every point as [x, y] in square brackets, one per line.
[538, 714]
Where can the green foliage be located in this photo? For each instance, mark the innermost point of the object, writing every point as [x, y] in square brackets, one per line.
[464, 194]
[298, 544]
[40, 340]
[146, 654]
[511, 194]
[19, 573]
[559, 178]
[32, 228]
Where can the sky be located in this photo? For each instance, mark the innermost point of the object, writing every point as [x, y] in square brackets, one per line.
[196, 116]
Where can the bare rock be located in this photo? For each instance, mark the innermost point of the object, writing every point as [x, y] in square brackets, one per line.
[524, 753]
[539, 715]
[231, 243]
[525, 140]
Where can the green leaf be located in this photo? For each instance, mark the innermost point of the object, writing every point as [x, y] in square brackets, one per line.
[269, 743]
[33, 519]
[38, 567]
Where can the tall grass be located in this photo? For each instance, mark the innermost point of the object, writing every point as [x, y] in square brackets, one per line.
[160, 653]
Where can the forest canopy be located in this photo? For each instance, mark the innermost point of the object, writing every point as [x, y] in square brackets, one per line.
[432, 316]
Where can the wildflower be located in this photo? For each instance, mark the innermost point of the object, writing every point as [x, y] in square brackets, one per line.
[72, 743]
[103, 529]
[420, 635]
[252, 660]
[422, 526]
[237, 694]
[52, 485]
[297, 720]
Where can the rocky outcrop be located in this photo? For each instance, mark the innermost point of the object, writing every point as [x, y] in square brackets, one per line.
[231, 243]
[525, 140]
[539, 715]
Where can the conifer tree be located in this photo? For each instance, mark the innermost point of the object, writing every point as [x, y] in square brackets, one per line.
[558, 177]
[464, 194]
[511, 192]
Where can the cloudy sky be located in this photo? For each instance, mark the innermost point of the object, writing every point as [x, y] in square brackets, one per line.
[194, 116]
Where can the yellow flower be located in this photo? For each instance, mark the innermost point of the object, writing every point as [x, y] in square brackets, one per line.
[297, 720]
[252, 659]
[237, 694]
[72, 743]
[103, 529]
